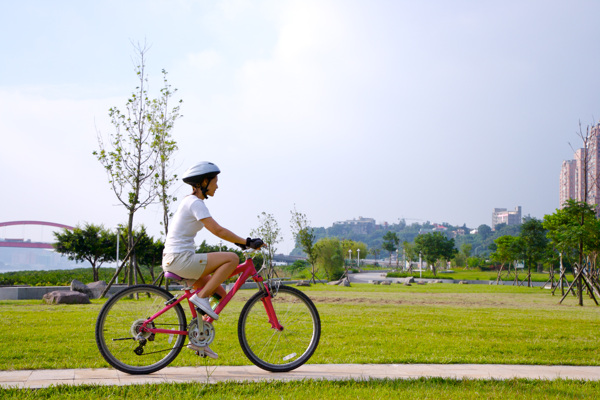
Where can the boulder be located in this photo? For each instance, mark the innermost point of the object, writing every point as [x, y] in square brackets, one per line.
[386, 282]
[81, 287]
[410, 279]
[344, 282]
[66, 297]
[334, 283]
[96, 288]
[463, 283]
[303, 283]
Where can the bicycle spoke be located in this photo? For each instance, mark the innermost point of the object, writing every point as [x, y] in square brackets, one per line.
[284, 350]
[122, 318]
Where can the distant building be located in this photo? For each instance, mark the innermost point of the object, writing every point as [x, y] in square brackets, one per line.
[503, 216]
[568, 174]
[360, 225]
[573, 177]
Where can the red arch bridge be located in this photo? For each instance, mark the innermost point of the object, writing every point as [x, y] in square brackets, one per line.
[28, 244]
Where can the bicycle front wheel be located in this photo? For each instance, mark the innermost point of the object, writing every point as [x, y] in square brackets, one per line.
[118, 336]
[280, 351]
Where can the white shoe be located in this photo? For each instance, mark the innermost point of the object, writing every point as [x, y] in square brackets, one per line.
[209, 353]
[206, 350]
[204, 304]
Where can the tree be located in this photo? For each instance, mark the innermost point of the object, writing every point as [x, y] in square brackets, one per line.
[330, 257]
[390, 243]
[350, 247]
[435, 246]
[304, 236]
[485, 231]
[131, 157]
[574, 231]
[148, 251]
[535, 243]
[268, 230]
[163, 120]
[465, 250]
[508, 250]
[410, 253]
[92, 243]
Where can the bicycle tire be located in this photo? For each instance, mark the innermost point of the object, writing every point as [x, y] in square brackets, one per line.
[280, 351]
[117, 323]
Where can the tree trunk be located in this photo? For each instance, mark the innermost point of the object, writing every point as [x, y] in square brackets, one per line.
[130, 244]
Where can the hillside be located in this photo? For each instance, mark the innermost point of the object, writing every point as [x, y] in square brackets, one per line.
[367, 231]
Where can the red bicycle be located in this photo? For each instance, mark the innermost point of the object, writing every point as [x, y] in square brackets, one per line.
[142, 328]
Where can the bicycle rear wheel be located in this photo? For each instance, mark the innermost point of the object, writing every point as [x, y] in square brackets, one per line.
[280, 351]
[118, 326]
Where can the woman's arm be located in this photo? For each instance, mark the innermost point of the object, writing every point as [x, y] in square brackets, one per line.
[223, 233]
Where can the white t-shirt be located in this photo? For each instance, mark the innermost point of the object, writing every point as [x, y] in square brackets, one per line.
[185, 224]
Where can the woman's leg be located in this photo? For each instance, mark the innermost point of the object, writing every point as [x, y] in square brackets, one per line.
[200, 283]
[220, 266]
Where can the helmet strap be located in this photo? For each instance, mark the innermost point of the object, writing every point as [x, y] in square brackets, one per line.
[204, 188]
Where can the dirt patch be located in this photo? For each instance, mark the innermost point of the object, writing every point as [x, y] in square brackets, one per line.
[444, 300]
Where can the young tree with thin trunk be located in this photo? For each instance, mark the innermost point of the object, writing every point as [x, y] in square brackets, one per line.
[304, 236]
[268, 230]
[130, 156]
[163, 120]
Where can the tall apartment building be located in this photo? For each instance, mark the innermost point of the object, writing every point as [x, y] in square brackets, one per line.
[503, 216]
[573, 179]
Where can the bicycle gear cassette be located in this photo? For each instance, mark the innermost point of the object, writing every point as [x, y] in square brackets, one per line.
[136, 328]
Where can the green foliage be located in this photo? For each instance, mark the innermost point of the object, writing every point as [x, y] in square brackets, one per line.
[209, 248]
[269, 231]
[92, 243]
[304, 236]
[535, 242]
[350, 247]
[60, 277]
[373, 238]
[574, 230]
[390, 242]
[435, 246]
[162, 120]
[509, 249]
[296, 266]
[136, 157]
[330, 257]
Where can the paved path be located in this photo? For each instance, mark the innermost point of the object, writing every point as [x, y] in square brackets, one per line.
[104, 376]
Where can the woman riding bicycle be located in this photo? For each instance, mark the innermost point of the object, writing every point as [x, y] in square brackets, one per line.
[208, 270]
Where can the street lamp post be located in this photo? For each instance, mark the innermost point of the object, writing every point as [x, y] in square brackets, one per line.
[349, 257]
[420, 266]
[397, 260]
[358, 258]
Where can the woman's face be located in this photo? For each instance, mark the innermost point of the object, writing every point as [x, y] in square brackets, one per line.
[212, 186]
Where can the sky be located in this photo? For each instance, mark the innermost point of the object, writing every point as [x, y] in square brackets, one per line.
[429, 111]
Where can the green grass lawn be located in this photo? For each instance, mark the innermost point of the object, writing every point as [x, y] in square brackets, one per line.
[476, 275]
[434, 388]
[443, 323]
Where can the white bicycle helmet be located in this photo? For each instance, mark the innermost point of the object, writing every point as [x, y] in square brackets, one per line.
[197, 173]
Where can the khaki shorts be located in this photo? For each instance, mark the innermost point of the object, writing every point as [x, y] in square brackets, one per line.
[187, 265]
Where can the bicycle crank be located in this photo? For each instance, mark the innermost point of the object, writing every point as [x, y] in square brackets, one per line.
[201, 334]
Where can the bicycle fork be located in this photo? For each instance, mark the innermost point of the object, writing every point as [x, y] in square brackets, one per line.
[266, 300]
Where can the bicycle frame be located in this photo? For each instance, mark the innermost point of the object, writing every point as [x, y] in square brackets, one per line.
[245, 270]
